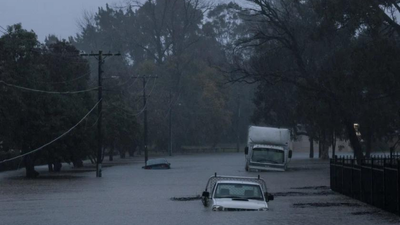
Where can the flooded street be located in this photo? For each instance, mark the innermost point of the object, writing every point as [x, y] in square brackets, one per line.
[127, 194]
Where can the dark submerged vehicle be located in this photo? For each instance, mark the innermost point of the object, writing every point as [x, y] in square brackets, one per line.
[159, 163]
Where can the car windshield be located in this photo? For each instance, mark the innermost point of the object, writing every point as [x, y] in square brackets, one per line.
[242, 191]
[268, 155]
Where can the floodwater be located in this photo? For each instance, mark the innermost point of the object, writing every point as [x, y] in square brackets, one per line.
[127, 194]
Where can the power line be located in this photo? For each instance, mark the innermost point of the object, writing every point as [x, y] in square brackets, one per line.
[143, 108]
[56, 139]
[126, 82]
[97, 120]
[136, 79]
[130, 113]
[63, 82]
[5, 31]
[55, 82]
[134, 82]
[141, 111]
[134, 94]
[152, 89]
[35, 81]
[171, 103]
[47, 92]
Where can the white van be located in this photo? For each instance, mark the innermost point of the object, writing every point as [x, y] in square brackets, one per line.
[267, 149]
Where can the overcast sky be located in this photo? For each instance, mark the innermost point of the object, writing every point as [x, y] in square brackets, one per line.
[58, 17]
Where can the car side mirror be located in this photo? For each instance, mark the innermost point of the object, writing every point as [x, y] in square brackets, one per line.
[269, 197]
[205, 197]
[246, 150]
[290, 154]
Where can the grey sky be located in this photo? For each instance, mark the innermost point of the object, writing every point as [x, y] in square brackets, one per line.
[58, 17]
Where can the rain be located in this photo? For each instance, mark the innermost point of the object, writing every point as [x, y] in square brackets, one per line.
[196, 111]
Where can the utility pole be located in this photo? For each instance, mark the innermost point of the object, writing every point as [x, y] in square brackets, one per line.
[100, 58]
[146, 154]
[170, 123]
[238, 126]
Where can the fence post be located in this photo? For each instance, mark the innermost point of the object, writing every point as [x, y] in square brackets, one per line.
[342, 175]
[372, 181]
[384, 183]
[334, 174]
[351, 178]
[330, 173]
[361, 182]
[398, 186]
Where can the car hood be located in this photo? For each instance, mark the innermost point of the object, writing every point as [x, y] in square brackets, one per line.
[229, 203]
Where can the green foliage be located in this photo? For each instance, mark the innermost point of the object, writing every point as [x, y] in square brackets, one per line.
[168, 39]
[32, 119]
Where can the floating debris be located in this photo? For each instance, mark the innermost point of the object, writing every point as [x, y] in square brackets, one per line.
[183, 199]
[294, 193]
[325, 204]
[312, 188]
[365, 213]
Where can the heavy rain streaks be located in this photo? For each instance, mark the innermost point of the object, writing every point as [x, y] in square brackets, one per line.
[199, 88]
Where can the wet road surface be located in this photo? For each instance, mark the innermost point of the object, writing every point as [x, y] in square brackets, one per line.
[127, 194]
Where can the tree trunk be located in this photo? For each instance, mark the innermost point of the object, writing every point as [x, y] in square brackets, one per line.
[355, 143]
[57, 165]
[122, 153]
[325, 151]
[132, 151]
[325, 147]
[311, 148]
[50, 166]
[319, 148]
[78, 163]
[30, 167]
[320, 144]
[111, 154]
[333, 144]
[50, 160]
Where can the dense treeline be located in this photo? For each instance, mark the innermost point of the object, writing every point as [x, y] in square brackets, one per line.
[47, 90]
[326, 65]
[317, 66]
[182, 43]
[179, 42]
[35, 107]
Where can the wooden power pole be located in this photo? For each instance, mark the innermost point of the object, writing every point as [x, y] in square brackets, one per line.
[100, 57]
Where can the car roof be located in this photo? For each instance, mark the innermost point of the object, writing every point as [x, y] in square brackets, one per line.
[213, 180]
[236, 182]
[156, 161]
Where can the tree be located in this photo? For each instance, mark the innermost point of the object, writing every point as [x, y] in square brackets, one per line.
[34, 111]
[168, 38]
[293, 44]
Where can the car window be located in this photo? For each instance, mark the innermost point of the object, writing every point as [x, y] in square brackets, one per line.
[238, 191]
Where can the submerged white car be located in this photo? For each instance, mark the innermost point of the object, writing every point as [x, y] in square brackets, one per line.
[230, 193]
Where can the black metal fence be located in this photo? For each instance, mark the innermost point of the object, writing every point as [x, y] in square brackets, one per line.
[375, 181]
